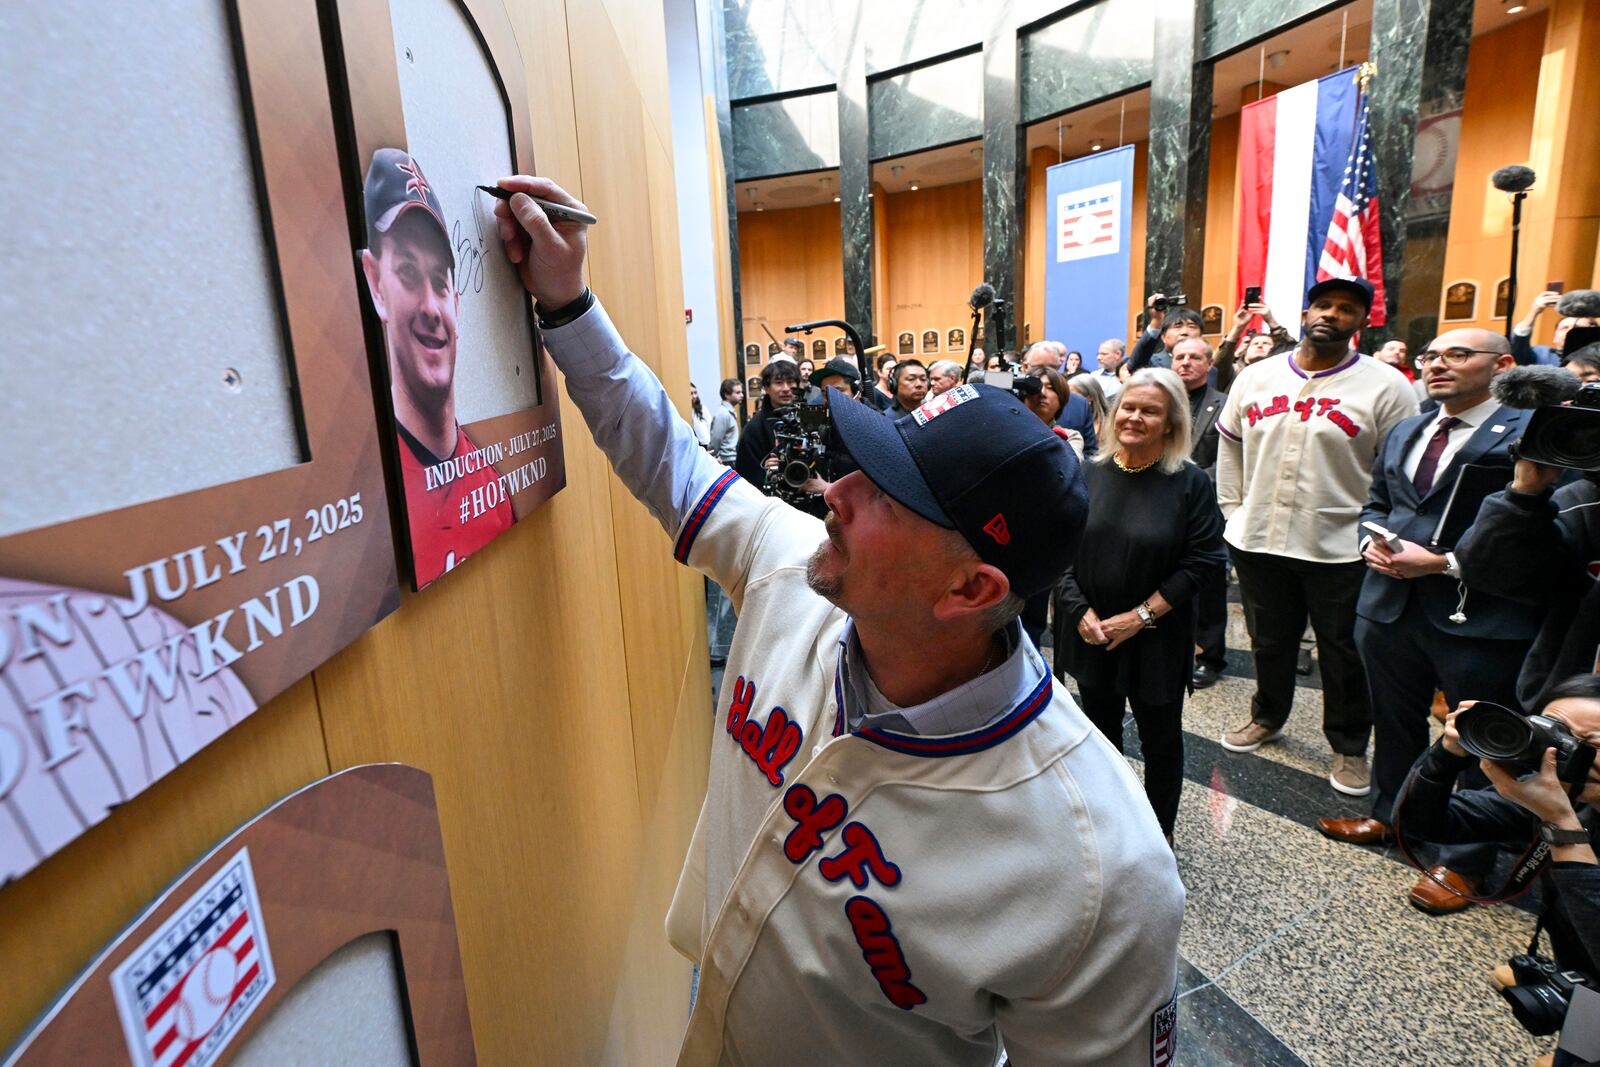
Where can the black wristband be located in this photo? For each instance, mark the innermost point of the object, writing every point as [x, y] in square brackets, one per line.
[549, 320]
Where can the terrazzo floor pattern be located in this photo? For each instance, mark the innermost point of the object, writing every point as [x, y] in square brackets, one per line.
[1298, 949]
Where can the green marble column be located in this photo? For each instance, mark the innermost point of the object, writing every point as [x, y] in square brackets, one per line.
[1420, 49]
[1180, 154]
[855, 170]
[1005, 175]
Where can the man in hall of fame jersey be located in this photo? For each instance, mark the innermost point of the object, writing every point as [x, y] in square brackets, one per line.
[410, 272]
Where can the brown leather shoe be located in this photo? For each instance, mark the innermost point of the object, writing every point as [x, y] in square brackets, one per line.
[1435, 899]
[1356, 831]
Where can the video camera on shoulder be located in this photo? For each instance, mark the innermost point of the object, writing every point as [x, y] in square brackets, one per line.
[803, 438]
[1518, 742]
[1013, 379]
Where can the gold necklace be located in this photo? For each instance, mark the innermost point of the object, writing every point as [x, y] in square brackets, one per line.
[1116, 457]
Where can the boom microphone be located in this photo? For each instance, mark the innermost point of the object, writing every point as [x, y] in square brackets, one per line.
[1580, 303]
[1513, 179]
[1535, 387]
[982, 296]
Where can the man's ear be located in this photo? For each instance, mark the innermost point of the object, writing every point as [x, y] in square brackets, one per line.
[369, 268]
[975, 588]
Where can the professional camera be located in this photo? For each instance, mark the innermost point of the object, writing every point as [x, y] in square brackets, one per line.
[1566, 436]
[803, 441]
[1518, 742]
[1165, 303]
[1565, 428]
[1018, 383]
[1539, 999]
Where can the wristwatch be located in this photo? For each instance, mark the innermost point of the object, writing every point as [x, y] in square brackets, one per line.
[1145, 616]
[1551, 834]
[1452, 569]
[549, 318]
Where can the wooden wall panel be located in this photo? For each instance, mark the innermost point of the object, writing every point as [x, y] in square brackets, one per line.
[1497, 119]
[934, 258]
[554, 687]
[791, 269]
[1222, 208]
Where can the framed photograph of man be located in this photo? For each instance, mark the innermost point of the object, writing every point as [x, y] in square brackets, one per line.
[819, 350]
[838, 345]
[906, 344]
[476, 435]
[930, 342]
[1211, 319]
[752, 355]
[956, 339]
[1502, 297]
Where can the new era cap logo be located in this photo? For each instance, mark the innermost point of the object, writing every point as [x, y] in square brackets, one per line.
[943, 403]
[996, 528]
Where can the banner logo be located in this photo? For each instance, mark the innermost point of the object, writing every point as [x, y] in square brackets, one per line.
[1089, 222]
[187, 990]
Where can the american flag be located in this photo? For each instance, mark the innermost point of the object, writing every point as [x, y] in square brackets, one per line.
[1353, 248]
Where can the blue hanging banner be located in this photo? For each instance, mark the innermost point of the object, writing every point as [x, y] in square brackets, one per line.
[1087, 253]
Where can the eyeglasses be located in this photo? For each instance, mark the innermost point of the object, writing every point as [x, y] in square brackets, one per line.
[1453, 357]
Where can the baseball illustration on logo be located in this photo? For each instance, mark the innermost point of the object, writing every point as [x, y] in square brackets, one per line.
[1088, 222]
[185, 993]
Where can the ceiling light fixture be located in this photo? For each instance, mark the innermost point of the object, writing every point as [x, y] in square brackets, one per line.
[913, 187]
[1095, 146]
[835, 198]
[761, 207]
[896, 169]
[1514, 7]
[1276, 60]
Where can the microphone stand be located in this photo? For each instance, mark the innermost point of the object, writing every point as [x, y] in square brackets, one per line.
[974, 338]
[1511, 280]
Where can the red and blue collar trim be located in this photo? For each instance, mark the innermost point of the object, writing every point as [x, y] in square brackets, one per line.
[701, 512]
[1330, 372]
[953, 745]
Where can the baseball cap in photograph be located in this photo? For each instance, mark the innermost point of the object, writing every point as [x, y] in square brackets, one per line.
[1359, 286]
[976, 461]
[395, 184]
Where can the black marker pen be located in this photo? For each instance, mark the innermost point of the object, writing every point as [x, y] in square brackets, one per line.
[557, 212]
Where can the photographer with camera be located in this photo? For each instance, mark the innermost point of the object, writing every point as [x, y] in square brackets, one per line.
[1257, 346]
[895, 757]
[1545, 784]
[1167, 322]
[780, 387]
[1539, 544]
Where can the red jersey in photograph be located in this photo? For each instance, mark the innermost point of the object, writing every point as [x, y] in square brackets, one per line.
[465, 509]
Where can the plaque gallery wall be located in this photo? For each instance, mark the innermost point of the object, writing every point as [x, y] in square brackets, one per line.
[196, 510]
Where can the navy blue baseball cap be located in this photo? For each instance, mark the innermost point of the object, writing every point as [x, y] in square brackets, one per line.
[1359, 286]
[976, 461]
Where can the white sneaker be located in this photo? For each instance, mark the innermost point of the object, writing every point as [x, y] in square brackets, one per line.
[1350, 775]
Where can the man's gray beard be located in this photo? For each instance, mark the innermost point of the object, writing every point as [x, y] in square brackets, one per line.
[827, 587]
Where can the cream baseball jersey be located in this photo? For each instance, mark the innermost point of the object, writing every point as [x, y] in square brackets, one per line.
[1294, 460]
[857, 895]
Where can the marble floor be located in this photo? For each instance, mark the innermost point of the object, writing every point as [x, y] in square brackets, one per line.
[1298, 950]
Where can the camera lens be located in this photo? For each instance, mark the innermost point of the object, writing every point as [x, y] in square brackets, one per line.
[796, 473]
[1489, 731]
[1570, 438]
[1539, 1008]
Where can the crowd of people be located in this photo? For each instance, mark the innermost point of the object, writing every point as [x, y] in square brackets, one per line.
[1374, 507]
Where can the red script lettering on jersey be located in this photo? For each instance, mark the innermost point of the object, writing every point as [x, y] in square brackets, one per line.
[881, 949]
[862, 856]
[812, 820]
[770, 746]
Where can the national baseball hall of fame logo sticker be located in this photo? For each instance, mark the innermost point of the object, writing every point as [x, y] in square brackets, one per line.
[187, 990]
[1089, 222]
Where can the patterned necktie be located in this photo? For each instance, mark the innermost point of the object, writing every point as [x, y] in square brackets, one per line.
[1429, 466]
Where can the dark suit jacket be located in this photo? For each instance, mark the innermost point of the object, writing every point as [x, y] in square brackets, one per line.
[1078, 415]
[1393, 504]
[1203, 433]
[1527, 353]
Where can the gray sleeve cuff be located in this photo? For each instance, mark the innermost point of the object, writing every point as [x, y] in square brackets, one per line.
[588, 345]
